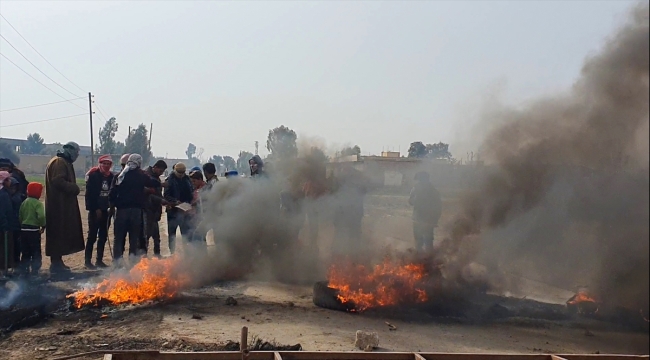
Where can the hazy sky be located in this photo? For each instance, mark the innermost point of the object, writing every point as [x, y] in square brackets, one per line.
[221, 74]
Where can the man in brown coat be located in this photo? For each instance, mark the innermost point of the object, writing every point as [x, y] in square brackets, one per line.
[64, 233]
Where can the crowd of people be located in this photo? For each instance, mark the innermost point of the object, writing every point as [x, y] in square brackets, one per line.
[133, 201]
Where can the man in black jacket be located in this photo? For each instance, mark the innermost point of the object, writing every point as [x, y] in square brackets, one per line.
[179, 190]
[130, 199]
[153, 208]
[98, 185]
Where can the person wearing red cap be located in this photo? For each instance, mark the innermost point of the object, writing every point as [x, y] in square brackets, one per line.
[32, 225]
[98, 186]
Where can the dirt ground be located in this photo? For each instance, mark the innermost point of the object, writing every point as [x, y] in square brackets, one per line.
[200, 319]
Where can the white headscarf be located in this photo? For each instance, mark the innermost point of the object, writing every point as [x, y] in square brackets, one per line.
[134, 162]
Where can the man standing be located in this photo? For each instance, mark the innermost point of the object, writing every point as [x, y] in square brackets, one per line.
[427, 208]
[64, 233]
[153, 208]
[98, 185]
[179, 190]
[129, 198]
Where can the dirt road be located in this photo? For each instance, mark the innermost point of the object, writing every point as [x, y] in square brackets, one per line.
[200, 319]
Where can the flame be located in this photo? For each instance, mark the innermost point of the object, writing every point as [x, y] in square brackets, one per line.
[149, 279]
[389, 283]
[582, 298]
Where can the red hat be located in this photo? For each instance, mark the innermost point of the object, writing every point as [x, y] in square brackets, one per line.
[105, 158]
[34, 190]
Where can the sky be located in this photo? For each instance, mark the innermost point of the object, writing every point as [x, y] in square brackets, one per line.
[222, 74]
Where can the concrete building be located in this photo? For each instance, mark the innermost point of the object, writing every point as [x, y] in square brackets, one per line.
[399, 172]
[18, 144]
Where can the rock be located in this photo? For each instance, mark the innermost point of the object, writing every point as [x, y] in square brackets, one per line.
[231, 301]
[365, 340]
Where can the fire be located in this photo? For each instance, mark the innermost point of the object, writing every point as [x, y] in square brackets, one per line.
[581, 296]
[584, 303]
[389, 283]
[150, 279]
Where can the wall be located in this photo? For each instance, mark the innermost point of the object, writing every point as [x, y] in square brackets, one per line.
[399, 173]
[36, 164]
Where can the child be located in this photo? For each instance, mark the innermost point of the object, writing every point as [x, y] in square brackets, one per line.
[32, 220]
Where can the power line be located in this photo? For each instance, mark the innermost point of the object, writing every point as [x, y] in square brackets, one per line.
[101, 112]
[21, 69]
[44, 120]
[33, 106]
[36, 67]
[41, 55]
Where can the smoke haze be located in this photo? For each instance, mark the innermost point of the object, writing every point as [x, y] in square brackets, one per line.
[567, 192]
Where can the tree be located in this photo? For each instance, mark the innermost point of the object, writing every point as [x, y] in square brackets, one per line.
[191, 150]
[281, 143]
[138, 143]
[217, 160]
[242, 161]
[7, 151]
[417, 150]
[349, 151]
[107, 144]
[35, 144]
[439, 151]
[229, 163]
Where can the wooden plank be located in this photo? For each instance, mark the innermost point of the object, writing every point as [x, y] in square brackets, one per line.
[354, 355]
[602, 357]
[107, 357]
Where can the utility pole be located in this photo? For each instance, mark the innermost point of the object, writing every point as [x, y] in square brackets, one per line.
[150, 132]
[92, 143]
[257, 146]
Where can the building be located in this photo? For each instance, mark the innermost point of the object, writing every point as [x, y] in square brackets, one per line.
[399, 172]
[18, 144]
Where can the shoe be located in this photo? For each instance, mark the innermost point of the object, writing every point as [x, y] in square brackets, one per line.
[100, 264]
[58, 268]
[88, 265]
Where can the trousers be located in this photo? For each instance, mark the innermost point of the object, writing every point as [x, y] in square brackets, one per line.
[30, 249]
[423, 233]
[127, 222]
[96, 227]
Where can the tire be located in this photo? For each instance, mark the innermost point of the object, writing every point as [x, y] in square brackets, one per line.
[326, 297]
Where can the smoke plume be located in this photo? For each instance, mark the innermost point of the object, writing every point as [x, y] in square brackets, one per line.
[566, 194]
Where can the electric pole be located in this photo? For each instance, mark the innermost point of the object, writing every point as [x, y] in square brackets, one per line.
[92, 143]
[150, 132]
[257, 145]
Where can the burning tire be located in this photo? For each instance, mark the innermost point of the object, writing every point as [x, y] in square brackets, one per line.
[327, 297]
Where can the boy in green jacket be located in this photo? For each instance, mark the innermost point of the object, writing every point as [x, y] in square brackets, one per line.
[32, 225]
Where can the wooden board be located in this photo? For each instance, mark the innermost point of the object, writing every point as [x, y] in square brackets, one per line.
[325, 355]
